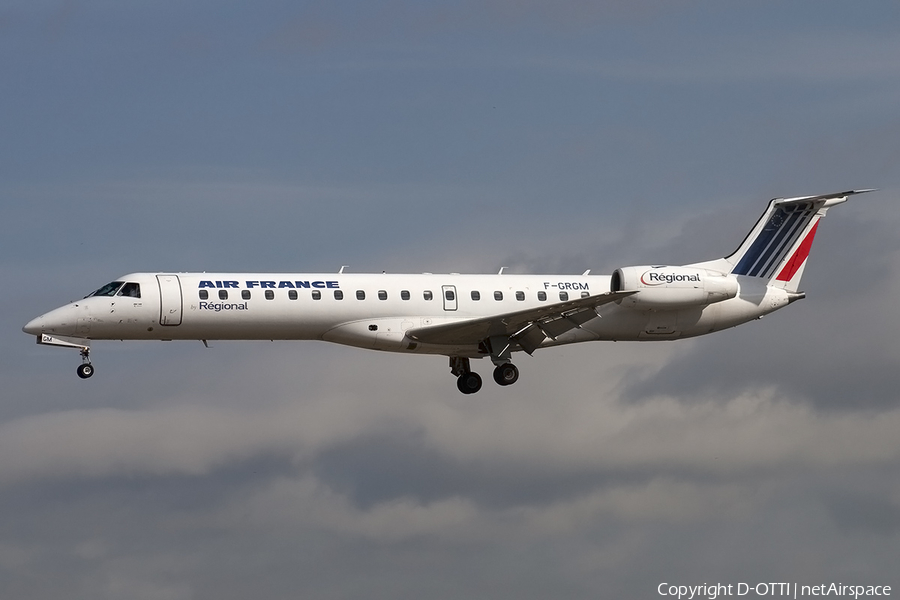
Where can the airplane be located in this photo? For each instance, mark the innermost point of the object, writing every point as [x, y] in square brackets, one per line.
[460, 316]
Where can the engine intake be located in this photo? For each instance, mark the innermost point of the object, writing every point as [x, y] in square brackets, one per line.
[663, 287]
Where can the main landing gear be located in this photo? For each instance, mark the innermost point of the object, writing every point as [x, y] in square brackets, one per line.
[506, 374]
[85, 369]
[469, 382]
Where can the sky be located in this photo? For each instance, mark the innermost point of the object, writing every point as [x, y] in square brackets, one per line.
[448, 136]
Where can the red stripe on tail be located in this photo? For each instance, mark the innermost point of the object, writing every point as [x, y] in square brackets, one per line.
[800, 255]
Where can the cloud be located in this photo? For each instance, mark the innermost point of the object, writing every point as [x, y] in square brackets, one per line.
[381, 447]
[304, 503]
[181, 440]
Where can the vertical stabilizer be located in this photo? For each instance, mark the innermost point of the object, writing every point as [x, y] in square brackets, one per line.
[777, 247]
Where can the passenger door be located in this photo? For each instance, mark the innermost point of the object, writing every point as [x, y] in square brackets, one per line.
[170, 301]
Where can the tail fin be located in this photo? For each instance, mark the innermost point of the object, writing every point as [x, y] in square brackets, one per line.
[777, 247]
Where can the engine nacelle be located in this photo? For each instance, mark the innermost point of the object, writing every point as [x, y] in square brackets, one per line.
[661, 287]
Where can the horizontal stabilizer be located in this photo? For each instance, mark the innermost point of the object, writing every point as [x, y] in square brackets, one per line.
[842, 196]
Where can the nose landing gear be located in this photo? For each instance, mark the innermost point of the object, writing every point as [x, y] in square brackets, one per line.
[85, 369]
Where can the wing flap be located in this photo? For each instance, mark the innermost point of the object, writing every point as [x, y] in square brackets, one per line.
[523, 327]
[529, 338]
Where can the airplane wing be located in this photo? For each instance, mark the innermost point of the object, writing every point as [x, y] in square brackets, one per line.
[528, 328]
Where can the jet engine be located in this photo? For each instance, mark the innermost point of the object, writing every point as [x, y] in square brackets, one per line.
[663, 287]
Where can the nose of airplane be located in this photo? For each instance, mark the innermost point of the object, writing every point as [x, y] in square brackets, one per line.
[61, 321]
[34, 326]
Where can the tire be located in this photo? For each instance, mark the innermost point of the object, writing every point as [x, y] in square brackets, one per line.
[506, 374]
[86, 370]
[468, 383]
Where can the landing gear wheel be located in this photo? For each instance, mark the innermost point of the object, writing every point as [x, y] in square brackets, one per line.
[469, 383]
[85, 370]
[506, 374]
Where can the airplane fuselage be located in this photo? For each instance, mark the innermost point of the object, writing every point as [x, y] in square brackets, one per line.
[459, 316]
[373, 310]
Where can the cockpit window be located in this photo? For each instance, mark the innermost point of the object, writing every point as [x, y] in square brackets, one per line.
[109, 289]
[132, 290]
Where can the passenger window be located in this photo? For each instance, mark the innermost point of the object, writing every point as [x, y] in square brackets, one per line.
[382, 295]
[316, 295]
[223, 294]
[563, 296]
[520, 296]
[204, 295]
[338, 295]
[270, 294]
[498, 296]
[449, 295]
[292, 294]
[542, 296]
[245, 294]
[428, 295]
[585, 294]
[404, 294]
[360, 295]
[131, 290]
[476, 296]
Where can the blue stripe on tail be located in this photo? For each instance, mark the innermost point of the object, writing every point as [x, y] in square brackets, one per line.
[784, 227]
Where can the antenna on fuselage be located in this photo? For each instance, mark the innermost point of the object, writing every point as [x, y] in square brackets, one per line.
[342, 268]
[501, 271]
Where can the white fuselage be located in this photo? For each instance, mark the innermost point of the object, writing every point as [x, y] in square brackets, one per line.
[459, 316]
[374, 310]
